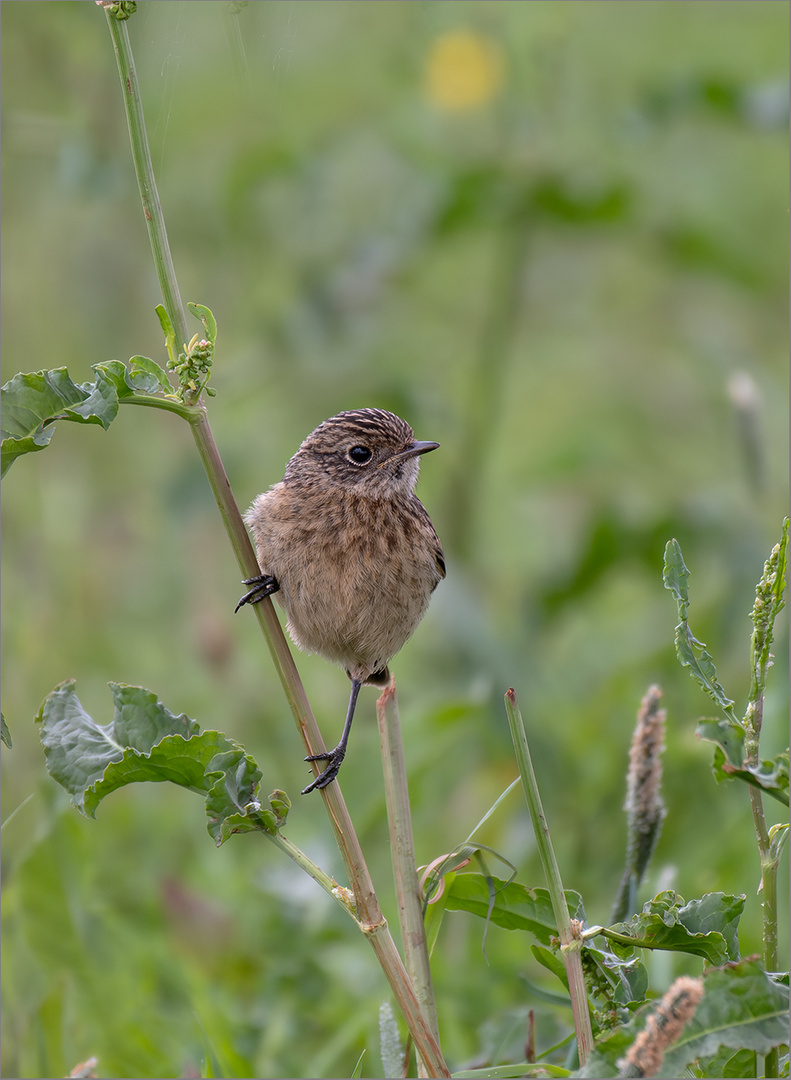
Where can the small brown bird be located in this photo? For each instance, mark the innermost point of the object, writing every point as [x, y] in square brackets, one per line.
[349, 549]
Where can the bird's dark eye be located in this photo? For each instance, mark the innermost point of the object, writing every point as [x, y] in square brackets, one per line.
[359, 455]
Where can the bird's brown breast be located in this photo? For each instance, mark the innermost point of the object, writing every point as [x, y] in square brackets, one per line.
[355, 573]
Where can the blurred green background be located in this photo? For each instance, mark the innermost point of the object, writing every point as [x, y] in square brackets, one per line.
[554, 238]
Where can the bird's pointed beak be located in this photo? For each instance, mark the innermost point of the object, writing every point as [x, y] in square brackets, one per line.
[412, 451]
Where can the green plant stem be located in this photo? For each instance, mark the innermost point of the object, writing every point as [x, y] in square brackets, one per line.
[144, 170]
[570, 942]
[329, 885]
[768, 602]
[769, 857]
[402, 848]
[366, 906]
[167, 404]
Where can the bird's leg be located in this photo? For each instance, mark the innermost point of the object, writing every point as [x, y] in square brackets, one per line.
[336, 756]
[263, 585]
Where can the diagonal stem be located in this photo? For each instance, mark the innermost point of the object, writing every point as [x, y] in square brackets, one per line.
[367, 912]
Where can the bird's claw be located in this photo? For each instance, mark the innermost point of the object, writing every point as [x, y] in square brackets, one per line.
[263, 585]
[334, 757]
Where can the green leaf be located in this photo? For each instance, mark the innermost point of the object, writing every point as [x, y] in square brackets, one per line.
[770, 776]
[78, 750]
[146, 376]
[620, 981]
[726, 1065]
[552, 962]
[729, 764]
[170, 333]
[742, 1009]
[165, 322]
[32, 402]
[188, 762]
[146, 742]
[692, 653]
[675, 575]
[200, 311]
[706, 927]
[236, 778]
[723, 732]
[515, 906]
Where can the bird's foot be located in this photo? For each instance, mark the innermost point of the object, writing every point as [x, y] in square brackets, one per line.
[334, 757]
[263, 585]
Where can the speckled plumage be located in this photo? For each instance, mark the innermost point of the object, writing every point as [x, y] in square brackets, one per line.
[351, 546]
[348, 549]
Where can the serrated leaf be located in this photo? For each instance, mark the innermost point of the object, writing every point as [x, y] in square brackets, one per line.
[706, 927]
[185, 761]
[675, 574]
[515, 906]
[715, 912]
[692, 653]
[741, 1009]
[236, 778]
[78, 750]
[31, 402]
[145, 742]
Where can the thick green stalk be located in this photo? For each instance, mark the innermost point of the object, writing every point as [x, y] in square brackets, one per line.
[402, 849]
[570, 941]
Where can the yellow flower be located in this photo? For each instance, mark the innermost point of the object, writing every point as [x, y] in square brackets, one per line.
[464, 70]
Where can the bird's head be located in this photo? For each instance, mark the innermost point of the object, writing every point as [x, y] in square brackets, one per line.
[366, 451]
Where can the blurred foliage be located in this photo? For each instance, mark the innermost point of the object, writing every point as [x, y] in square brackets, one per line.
[569, 268]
